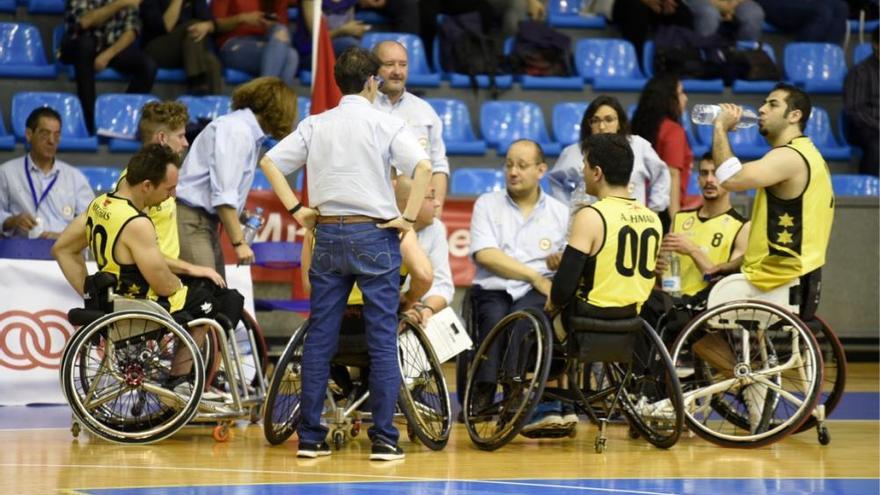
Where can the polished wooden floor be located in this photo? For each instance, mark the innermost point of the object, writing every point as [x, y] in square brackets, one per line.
[48, 460]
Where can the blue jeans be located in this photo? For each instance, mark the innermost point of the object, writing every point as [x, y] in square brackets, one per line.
[343, 255]
[749, 18]
[263, 56]
[809, 20]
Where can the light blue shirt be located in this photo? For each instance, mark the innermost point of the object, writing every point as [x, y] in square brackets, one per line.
[433, 240]
[349, 150]
[497, 222]
[219, 168]
[69, 196]
[424, 123]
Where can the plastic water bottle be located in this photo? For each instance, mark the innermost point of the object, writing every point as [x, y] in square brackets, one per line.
[705, 115]
[37, 230]
[671, 280]
[252, 226]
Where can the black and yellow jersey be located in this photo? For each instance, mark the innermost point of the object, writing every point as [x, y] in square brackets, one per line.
[715, 236]
[623, 273]
[107, 216]
[789, 237]
[164, 217]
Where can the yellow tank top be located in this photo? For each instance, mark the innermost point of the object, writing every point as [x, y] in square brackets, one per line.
[107, 216]
[357, 297]
[624, 268]
[715, 237]
[164, 217]
[789, 237]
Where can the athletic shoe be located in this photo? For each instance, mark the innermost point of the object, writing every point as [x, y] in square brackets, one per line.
[382, 451]
[313, 450]
[185, 389]
[569, 417]
[547, 416]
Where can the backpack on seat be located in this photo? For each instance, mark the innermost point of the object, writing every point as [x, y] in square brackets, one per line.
[465, 49]
[539, 50]
[682, 51]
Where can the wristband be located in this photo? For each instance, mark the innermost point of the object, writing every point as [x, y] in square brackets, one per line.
[407, 219]
[295, 209]
[728, 169]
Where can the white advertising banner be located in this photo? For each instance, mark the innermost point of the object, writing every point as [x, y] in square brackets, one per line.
[34, 300]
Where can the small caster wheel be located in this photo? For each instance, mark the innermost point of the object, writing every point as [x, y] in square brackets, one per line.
[600, 445]
[411, 434]
[355, 429]
[256, 413]
[824, 436]
[222, 433]
[75, 429]
[338, 439]
[633, 433]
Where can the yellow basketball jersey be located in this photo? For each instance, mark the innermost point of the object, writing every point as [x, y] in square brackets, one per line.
[789, 237]
[714, 236]
[164, 217]
[106, 218]
[624, 268]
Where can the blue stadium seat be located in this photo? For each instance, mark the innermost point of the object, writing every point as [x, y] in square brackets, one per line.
[741, 86]
[303, 108]
[419, 72]
[869, 25]
[843, 133]
[567, 118]
[573, 83]
[746, 143]
[22, 54]
[458, 134]
[371, 17]
[567, 14]
[261, 183]
[503, 122]
[693, 188]
[690, 85]
[609, 64]
[117, 116]
[815, 67]
[102, 179]
[206, 107]
[473, 181]
[7, 141]
[105, 75]
[855, 185]
[819, 130]
[50, 7]
[74, 134]
[233, 76]
[8, 6]
[697, 147]
[861, 52]
[305, 77]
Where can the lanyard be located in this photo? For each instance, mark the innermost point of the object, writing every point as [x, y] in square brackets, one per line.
[37, 202]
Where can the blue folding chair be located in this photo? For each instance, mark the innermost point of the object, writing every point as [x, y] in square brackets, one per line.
[458, 134]
[419, 72]
[689, 85]
[26, 249]
[746, 143]
[569, 14]
[21, 52]
[303, 107]
[503, 122]
[50, 7]
[206, 107]
[861, 52]
[74, 134]
[609, 64]
[474, 181]
[855, 185]
[819, 130]
[567, 117]
[117, 116]
[742, 86]
[815, 67]
[102, 179]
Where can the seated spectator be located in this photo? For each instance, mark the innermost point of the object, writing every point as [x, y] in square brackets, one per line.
[253, 37]
[808, 20]
[40, 195]
[637, 19]
[403, 14]
[746, 16]
[100, 34]
[345, 30]
[862, 109]
[176, 34]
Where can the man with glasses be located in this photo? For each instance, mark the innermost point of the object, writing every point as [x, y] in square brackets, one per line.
[40, 195]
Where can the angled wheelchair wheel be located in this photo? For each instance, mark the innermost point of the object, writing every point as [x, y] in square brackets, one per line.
[114, 374]
[833, 369]
[651, 396]
[424, 398]
[281, 410]
[750, 371]
[506, 378]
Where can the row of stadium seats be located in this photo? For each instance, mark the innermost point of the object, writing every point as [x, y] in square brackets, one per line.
[103, 179]
[501, 123]
[607, 64]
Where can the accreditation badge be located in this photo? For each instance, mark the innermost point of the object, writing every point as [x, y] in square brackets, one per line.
[67, 211]
[544, 244]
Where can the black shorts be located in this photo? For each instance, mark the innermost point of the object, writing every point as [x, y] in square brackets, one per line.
[206, 300]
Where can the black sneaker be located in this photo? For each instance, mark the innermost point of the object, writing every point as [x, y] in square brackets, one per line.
[313, 450]
[384, 452]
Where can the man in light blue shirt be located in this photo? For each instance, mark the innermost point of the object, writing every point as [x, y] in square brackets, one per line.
[421, 117]
[40, 195]
[218, 171]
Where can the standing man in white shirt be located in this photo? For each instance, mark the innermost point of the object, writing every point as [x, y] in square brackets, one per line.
[40, 195]
[218, 172]
[421, 118]
[349, 150]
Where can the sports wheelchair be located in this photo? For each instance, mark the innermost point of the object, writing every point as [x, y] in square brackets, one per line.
[508, 372]
[423, 400]
[752, 371]
[115, 369]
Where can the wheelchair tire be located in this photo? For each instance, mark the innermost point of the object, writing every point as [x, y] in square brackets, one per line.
[737, 402]
[424, 397]
[494, 413]
[114, 371]
[281, 410]
[833, 369]
[652, 382]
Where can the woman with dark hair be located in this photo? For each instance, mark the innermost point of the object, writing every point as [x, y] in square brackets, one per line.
[657, 118]
[649, 181]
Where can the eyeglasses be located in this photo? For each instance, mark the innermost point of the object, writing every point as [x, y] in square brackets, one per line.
[45, 133]
[610, 119]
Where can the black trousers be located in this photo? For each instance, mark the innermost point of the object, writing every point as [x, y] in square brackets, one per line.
[637, 22]
[178, 50]
[81, 53]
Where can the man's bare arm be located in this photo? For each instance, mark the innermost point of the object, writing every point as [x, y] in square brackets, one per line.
[68, 250]
[139, 238]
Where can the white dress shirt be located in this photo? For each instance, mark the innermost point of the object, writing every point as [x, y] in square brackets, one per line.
[424, 123]
[349, 151]
[433, 240]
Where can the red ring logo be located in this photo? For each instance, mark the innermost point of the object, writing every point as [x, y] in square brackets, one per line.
[33, 340]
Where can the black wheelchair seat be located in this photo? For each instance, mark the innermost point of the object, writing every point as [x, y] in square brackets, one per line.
[600, 340]
[83, 316]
